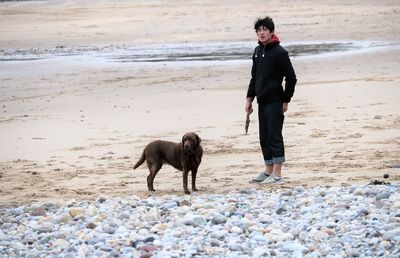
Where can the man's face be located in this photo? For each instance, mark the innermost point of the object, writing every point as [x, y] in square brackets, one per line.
[264, 35]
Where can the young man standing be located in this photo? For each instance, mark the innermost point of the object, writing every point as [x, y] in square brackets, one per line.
[271, 64]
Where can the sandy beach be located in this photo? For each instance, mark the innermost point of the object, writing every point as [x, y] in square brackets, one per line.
[74, 121]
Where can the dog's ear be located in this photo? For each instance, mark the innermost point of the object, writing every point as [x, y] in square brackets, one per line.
[183, 139]
[198, 139]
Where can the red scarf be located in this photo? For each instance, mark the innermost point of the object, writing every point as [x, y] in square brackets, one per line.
[274, 39]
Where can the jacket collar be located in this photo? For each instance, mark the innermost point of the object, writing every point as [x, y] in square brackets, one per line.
[274, 41]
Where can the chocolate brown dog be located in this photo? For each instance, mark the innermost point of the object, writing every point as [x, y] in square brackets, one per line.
[184, 156]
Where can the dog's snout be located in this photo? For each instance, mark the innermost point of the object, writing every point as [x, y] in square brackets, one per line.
[188, 145]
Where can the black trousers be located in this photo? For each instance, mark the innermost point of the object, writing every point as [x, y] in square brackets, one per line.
[270, 118]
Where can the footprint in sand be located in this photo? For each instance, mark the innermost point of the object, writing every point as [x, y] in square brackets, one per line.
[319, 134]
[77, 148]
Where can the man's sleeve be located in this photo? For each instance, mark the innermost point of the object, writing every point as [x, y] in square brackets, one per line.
[251, 91]
[286, 68]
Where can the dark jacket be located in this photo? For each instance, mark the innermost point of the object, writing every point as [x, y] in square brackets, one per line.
[271, 64]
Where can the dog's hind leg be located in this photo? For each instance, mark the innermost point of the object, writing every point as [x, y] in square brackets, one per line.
[154, 168]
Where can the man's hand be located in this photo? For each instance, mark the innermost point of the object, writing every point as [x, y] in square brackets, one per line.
[249, 107]
[285, 107]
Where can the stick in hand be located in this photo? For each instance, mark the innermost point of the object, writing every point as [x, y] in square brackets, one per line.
[246, 126]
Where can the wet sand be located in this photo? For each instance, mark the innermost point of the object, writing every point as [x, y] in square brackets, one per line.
[73, 126]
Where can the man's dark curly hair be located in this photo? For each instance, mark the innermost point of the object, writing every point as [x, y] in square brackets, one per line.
[267, 22]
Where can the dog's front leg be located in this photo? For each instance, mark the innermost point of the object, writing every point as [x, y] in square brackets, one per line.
[185, 181]
[194, 173]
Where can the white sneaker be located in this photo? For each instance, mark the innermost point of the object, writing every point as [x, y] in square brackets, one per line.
[260, 178]
[276, 180]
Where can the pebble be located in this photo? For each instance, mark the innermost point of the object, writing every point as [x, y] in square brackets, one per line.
[354, 221]
[384, 195]
[38, 212]
[218, 219]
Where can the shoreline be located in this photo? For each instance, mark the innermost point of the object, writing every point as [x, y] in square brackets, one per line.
[191, 52]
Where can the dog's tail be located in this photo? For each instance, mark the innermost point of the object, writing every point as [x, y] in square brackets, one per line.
[140, 161]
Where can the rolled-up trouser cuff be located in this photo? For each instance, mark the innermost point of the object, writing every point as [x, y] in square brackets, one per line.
[279, 160]
[269, 162]
[272, 161]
